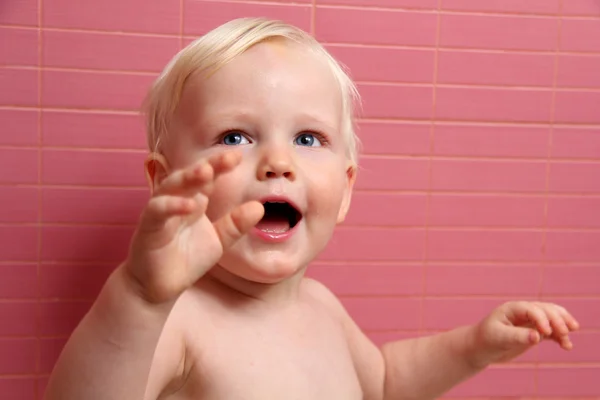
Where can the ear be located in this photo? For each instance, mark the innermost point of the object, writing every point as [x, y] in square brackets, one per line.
[351, 178]
[156, 169]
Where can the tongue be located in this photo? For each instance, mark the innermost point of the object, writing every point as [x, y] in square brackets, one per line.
[274, 224]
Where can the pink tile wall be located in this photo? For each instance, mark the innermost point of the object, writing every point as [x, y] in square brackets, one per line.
[479, 183]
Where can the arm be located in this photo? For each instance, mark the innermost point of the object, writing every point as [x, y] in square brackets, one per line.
[110, 353]
[427, 367]
[125, 348]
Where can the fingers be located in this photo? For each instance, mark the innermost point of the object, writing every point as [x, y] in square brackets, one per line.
[552, 321]
[520, 313]
[238, 222]
[562, 324]
[160, 209]
[199, 177]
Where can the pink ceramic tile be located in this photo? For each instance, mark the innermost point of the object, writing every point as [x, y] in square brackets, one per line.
[18, 166]
[573, 246]
[114, 15]
[393, 174]
[22, 12]
[344, 25]
[387, 209]
[19, 243]
[20, 87]
[19, 127]
[424, 4]
[486, 210]
[77, 243]
[569, 382]
[490, 141]
[515, 69]
[49, 351]
[122, 131]
[113, 91]
[482, 279]
[384, 313]
[580, 35]
[370, 280]
[394, 138]
[375, 244]
[18, 281]
[18, 318]
[485, 176]
[20, 46]
[18, 356]
[502, 105]
[585, 350]
[485, 245]
[93, 205]
[581, 7]
[574, 177]
[380, 338]
[497, 383]
[573, 212]
[499, 32]
[576, 70]
[442, 314]
[391, 65]
[108, 51]
[202, 16]
[19, 204]
[571, 280]
[576, 143]
[21, 388]
[510, 6]
[60, 318]
[384, 101]
[73, 281]
[93, 168]
[577, 107]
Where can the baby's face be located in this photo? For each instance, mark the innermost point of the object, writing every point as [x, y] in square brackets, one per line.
[281, 107]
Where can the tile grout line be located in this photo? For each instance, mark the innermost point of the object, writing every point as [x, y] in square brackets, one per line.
[181, 14]
[542, 267]
[425, 263]
[37, 388]
[313, 19]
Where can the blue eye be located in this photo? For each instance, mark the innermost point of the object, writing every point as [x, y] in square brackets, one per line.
[308, 139]
[234, 139]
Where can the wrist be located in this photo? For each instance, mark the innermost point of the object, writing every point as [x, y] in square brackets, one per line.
[475, 350]
[121, 303]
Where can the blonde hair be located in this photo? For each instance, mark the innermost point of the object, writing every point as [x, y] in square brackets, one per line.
[216, 48]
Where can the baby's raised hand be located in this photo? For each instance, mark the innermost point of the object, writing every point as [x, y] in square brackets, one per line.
[175, 243]
[514, 327]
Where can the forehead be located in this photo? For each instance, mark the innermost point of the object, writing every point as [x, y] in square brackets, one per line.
[277, 78]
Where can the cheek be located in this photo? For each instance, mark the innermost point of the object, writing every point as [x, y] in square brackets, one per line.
[326, 189]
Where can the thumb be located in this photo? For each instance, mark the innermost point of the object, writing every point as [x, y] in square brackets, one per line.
[516, 335]
[238, 222]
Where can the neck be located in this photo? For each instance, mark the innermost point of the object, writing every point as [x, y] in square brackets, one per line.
[279, 293]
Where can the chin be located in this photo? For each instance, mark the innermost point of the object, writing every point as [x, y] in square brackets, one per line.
[266, 270]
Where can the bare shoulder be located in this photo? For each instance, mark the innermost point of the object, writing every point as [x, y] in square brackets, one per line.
[367, 358]
[325, 297]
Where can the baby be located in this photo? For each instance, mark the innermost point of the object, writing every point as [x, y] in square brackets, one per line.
[253, 162]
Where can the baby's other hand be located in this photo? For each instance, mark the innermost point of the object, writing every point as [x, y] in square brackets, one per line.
[515, 327]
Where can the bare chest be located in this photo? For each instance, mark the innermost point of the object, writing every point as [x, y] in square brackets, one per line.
[304, 360]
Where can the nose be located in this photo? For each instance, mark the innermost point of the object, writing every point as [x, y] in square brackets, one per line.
[276, 163]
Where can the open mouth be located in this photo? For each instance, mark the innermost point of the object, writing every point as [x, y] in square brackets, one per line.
[279, 217]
